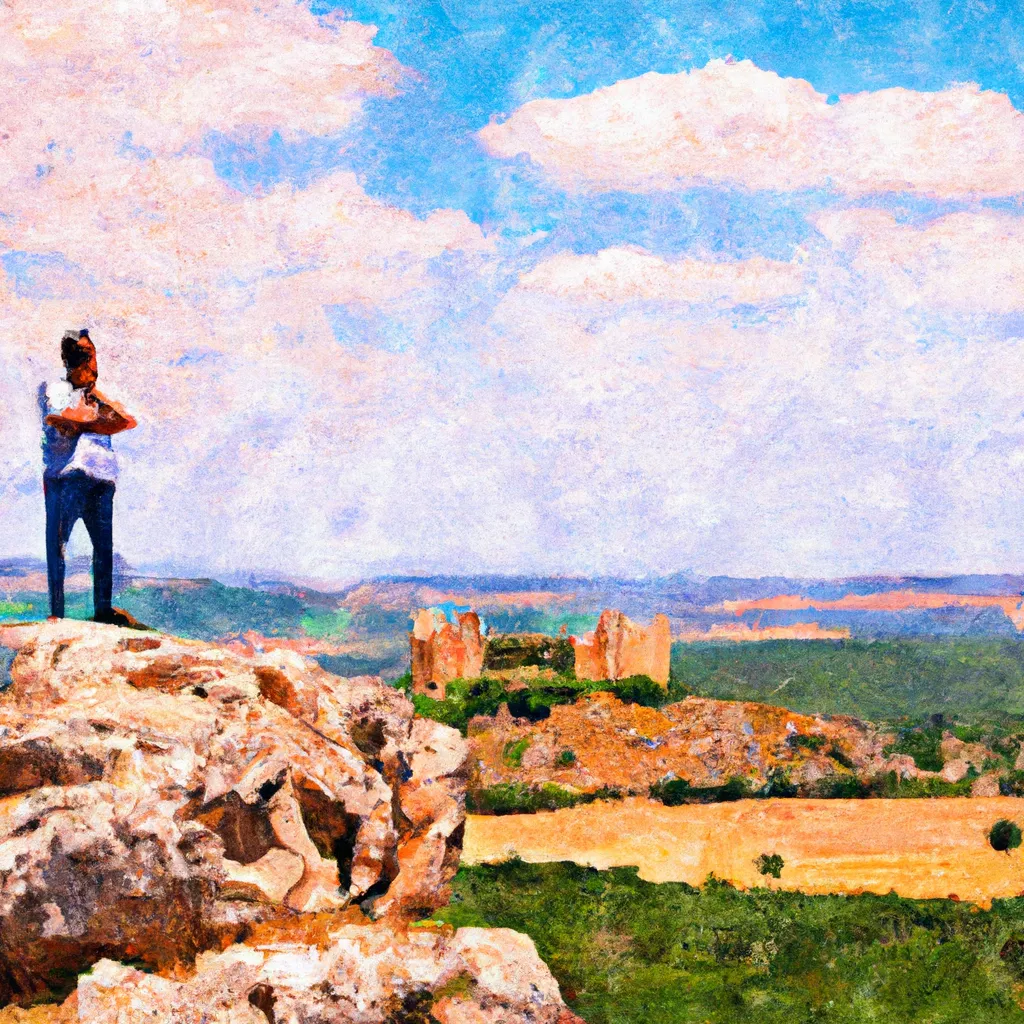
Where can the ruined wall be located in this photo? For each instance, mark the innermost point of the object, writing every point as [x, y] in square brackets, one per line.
[442, 650]
[619, 648]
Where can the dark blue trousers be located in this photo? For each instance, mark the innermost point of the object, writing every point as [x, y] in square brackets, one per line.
[68, 499]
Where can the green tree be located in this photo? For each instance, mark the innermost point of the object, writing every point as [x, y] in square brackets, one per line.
[1004, 836]
[770, 864]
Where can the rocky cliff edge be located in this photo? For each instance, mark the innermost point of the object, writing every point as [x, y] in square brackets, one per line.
[225, 838]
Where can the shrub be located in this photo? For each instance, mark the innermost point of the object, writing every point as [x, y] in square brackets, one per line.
[522, 650]
[535, 702]
[638, 690]
[813, 743]
[1012, 954]
[1012, 784]
[512, 755]
[674, 792]
[1004, 836]
[566, 759]
[923, 745]
[465, 698]
[841, 757]
[842, 787]
[770, 864]
[520, 798]
[891, 786]
[778, 784]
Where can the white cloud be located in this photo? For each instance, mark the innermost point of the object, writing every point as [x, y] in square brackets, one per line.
[732, 123]
[972, 262]
[592, 420]
[627, 274]
[209, 306]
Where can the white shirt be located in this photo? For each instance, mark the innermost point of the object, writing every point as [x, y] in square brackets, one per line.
[91, 454]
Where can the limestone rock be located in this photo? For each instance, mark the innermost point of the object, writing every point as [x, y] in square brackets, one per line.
[955, 770]
[987, 785]
[619, 648]
[159, 797]
[443, 650]
[359, 974]
[629, 747]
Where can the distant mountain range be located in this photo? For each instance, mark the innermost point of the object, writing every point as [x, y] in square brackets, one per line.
[363, 627]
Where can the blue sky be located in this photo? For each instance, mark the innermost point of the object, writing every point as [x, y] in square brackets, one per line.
[771, 343]
[472, 62]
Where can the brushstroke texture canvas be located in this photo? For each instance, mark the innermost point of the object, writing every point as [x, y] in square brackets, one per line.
[510, 512]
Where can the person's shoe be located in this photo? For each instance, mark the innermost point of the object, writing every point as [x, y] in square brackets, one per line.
[119, 617]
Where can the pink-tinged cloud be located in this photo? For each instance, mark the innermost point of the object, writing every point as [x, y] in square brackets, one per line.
[629, 275]
[73, 74]
[965, 261]
[210, 307]
[732, 123]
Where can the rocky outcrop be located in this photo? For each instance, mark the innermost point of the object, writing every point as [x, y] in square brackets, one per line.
[443, 650]
[619, 648]
[345, 974]
[160, 797]
[602, 743]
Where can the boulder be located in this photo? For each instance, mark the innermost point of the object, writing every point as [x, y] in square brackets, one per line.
[352, 974]
[160, 797]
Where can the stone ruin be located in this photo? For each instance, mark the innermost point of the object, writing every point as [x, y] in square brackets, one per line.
[619, 648]
[446, 647]
[443, 650]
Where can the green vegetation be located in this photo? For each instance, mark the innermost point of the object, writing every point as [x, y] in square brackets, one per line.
[923, 745]
[566, 759]
[15, 609]
[465, 698]
[674, 792]
[813, 743]
[517, 651]
[207, 610]
[520, 798]
[770, 864]
[1004, 836]
[332, 624]
[512, 755]
[624, 950]
[891, 787]
[971, 681]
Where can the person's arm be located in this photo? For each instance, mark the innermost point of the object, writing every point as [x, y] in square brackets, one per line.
[111, 417]
[94, 415]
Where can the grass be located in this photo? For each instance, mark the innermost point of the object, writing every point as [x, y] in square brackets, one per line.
[923, 745]
[624, 950]
[973, 681]
[512, 755]
[520, 798]
[465, 698]
[327, 625]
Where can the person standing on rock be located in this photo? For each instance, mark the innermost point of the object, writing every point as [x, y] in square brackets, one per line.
[80, 472]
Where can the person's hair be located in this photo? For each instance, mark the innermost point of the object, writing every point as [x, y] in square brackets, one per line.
[75, 351]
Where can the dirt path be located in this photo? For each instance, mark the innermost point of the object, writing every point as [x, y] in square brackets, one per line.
[917, 848]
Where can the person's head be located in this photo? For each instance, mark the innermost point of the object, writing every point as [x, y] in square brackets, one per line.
[79, 356]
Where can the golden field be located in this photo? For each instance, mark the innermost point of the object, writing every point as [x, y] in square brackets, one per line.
[925, 849]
